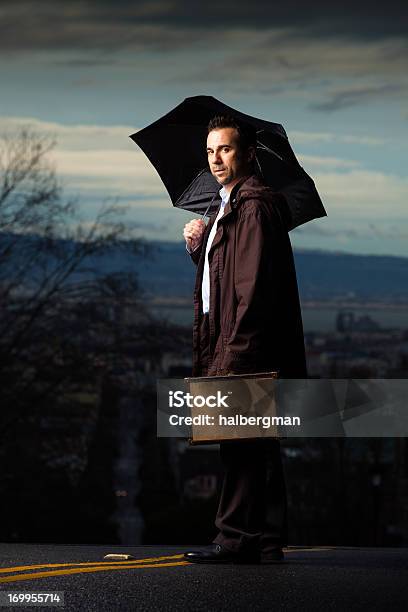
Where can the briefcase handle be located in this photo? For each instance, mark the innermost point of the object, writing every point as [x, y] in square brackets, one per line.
[274, 374]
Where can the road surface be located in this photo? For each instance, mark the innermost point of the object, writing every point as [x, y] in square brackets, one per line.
[321, 578]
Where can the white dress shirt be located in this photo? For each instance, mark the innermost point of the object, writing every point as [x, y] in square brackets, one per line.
[205, 287]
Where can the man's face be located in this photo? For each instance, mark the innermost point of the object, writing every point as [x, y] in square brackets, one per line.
[227, 162]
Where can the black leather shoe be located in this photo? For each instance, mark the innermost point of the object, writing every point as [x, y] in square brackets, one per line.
[273, 556]
[218, 554]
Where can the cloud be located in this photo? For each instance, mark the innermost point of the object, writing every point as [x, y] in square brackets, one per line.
[286, 63]
[104, 27]
[96, 158]
[268, 59]
[356, 95]
[364, 194]
[74, 137]
[317, 230]
[300, 137]
[103, 161]
[109, 24]
[266, 48]
[393, 232]
[86, 62]
[363, 232]
[315, 163]
[121, 173]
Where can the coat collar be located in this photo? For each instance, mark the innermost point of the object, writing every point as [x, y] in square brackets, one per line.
[245, 185]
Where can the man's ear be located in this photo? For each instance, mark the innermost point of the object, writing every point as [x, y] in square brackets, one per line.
[251, 154]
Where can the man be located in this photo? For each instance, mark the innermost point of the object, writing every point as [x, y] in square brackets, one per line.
[247, 319]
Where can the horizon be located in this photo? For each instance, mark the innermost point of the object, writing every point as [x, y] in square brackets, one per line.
[181, 243]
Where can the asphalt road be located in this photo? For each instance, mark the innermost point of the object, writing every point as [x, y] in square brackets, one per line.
[324, 578]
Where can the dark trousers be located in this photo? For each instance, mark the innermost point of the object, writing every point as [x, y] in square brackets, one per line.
[252, 511]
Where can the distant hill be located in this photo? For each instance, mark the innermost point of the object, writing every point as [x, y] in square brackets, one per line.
[322, 275]
[325, 274]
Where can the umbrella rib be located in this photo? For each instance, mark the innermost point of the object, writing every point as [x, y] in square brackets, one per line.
[189, 185]
[187, 188]
[263, 147]
[259, 166]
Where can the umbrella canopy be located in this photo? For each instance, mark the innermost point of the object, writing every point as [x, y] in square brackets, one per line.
[176, 146]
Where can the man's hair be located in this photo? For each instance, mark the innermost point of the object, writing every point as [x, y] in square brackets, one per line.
[247, 134]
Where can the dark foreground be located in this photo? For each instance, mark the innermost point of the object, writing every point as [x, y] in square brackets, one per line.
[323, 578]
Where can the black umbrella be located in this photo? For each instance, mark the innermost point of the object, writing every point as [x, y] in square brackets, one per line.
[176, 146]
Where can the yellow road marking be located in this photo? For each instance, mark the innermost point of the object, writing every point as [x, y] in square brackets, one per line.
[5, 570]
[100, 566]
[85, 570]
[308, 549]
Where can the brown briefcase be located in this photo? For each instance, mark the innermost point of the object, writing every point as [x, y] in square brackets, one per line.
[250, 411]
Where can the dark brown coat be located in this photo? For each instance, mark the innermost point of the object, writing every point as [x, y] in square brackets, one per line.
[255, 322]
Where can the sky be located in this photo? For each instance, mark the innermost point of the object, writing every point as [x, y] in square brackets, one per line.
[335, 75]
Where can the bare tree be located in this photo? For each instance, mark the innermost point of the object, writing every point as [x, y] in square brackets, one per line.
[54, 307]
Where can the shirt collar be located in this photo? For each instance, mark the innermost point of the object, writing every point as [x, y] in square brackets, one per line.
[224, 196]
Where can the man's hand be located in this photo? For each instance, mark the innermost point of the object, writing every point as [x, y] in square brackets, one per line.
[193, 233]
